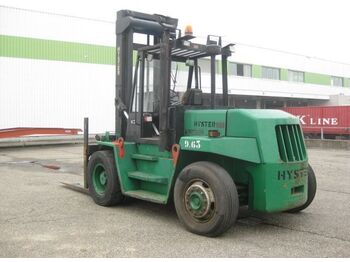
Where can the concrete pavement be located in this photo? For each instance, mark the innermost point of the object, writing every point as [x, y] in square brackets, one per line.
[40, 218]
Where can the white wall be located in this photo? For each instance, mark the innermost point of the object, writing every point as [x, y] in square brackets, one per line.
[24, 23]
[39, 93]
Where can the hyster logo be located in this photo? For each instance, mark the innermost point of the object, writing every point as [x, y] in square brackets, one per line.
[291, 174]
[209, 124]
[318, 121]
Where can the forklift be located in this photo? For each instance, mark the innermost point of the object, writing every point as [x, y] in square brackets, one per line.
[208, 158]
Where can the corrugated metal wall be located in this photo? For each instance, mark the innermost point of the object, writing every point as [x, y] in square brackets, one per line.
[39, 93]
[55, 83]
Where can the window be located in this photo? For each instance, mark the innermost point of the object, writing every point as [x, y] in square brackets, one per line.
[270, 73]
[247, 70]
[204, 65]
[336, 81]
[295, 76]
[242, 70]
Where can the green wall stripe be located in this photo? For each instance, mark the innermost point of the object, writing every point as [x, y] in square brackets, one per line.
[256, 71]
[24, 47]
[314, 78]
[218, 67]
[284, 74]
[33, 48]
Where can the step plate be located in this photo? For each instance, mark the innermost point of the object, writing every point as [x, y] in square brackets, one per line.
[144, 157]
[148, 177]
[146, 195]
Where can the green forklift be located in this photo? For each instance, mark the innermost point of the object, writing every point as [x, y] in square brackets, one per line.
[208, 158]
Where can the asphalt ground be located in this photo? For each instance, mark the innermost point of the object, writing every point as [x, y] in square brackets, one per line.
[40, 218]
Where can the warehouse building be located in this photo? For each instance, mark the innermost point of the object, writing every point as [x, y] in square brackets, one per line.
[56, 69]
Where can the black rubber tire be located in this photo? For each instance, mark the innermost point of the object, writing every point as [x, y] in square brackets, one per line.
[113, 194]
[225, 194]
[312, 187]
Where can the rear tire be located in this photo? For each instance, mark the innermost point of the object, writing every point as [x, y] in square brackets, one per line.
[206, 199]
[104, 186]
[311, 187]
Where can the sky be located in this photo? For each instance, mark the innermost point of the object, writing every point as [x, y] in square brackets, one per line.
[312, 28]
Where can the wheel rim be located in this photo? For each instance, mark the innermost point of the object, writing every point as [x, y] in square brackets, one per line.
[99, 179]
[199, 200]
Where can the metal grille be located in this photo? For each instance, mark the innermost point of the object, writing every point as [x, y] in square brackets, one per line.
[290, 143]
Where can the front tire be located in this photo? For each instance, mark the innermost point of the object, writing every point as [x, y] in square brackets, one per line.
[104, 186]
[311, 187]
[206, 199]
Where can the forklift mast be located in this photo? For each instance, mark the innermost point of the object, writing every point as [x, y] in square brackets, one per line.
[128, 23]
[167, 46]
